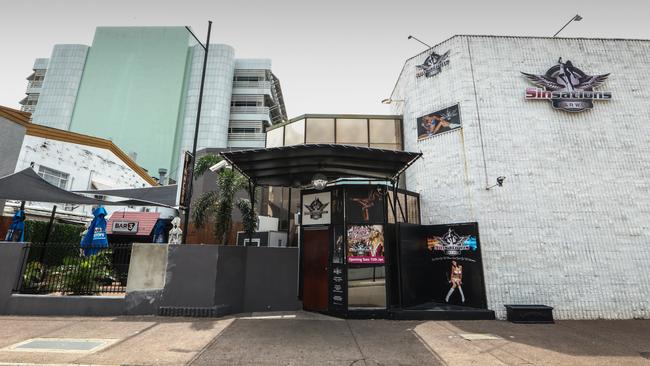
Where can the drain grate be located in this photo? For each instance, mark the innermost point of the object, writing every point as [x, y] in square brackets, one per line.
[479, 336]
[61, 345]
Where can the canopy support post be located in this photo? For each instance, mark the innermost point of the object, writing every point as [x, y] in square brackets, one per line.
[47, 234]
[49, 225]
[397, 245]
[251, 195]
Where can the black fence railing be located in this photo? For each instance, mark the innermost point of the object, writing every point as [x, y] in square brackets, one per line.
[68, 269]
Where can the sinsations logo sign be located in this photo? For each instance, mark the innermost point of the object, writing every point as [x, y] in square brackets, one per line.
[567, 87]
[432, 65]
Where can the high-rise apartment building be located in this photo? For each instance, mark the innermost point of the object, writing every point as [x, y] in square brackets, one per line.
[139, 87]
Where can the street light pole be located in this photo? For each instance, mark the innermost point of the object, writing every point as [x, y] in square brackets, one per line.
[577, 18]
[206, 47]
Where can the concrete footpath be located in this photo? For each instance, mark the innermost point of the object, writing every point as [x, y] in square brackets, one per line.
[310, 339]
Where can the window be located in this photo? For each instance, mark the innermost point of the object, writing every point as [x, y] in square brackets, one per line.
[244, 130]
[275, 137]
[320, 131]
[54, 177]
[366, 286]
[244, 103]
[248, 78]
[351, 131]
[294, 133]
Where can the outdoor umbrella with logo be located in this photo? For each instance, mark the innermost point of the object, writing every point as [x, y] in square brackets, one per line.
[17, 229]
[95, 237]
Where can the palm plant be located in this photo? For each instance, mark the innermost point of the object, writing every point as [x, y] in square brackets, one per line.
[220, 203]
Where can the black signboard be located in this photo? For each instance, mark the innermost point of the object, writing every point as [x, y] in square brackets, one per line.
[365, 205]
[337, 206]
[457, 268]
[338, 272]
[437, 122]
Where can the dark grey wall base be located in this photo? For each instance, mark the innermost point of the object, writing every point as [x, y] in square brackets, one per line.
[66, 305]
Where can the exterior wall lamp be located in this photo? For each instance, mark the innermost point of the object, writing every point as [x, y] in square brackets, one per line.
[498, 184]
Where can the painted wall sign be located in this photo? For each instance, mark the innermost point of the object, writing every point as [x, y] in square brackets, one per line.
[567, 87]
[437, 122]
[316, 209]
[432, 65]
[127, 227]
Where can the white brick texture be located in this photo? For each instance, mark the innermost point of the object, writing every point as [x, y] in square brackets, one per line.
[570, 228]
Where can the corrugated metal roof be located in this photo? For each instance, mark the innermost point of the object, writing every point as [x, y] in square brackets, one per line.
[145, 220]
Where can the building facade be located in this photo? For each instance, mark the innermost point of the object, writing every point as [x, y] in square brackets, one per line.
[145, 81]
[569, 225]
[70, 161]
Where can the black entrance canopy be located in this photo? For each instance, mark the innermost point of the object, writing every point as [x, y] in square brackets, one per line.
[291, 166]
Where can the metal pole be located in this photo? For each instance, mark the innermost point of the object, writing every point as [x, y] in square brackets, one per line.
[196, 135]
[419, 41]
[397, 246]
[251, 194]
[49, 226]
[47, 234]
[567, 23]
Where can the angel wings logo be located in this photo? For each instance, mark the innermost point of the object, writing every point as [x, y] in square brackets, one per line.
[452, 243]
[432, 64]
[567, 87]
[316, 209]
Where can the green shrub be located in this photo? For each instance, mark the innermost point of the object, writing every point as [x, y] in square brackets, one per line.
[83, 275]
[33, 275]
[61, 233]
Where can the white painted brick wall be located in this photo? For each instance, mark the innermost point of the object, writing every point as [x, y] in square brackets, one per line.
[570, 228]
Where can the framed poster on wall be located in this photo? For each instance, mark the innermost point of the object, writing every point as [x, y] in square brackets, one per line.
[365, 205]
[316, 208]
[444, 120]
[365, 244]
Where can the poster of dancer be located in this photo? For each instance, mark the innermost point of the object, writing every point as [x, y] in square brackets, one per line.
[365, 205]
[437, 122]
[457, 267]
[365, 244]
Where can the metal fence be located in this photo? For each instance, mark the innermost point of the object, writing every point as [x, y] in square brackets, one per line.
[68, 269]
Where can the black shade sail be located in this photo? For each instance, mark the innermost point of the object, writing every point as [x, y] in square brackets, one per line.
[26, 185]
[291, 166]
[159, 195]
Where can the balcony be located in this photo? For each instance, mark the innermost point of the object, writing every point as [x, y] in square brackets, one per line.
[249, 110]
[251, 84]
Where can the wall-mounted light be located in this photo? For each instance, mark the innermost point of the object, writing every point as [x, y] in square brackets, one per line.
[319, 181]
[498, 184]
[391, 101]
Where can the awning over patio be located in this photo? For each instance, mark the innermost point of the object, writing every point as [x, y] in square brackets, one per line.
[159, 195]
[291, 166]
[26, 185]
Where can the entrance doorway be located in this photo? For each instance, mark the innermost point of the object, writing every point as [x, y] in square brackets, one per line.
[314, 269]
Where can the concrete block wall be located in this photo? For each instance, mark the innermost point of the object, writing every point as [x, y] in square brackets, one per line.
[570, 227]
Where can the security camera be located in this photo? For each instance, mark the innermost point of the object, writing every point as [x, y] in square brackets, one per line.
[498, 184]
[220, 165]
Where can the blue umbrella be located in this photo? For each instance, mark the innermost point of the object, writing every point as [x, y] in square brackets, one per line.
[17, 229]
[95, 238]
[159, 231]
